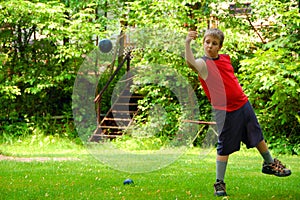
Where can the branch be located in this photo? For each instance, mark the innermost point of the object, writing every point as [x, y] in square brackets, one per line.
[255, 30]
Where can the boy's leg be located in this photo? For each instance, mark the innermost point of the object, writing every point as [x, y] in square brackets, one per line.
[221, 167]
[270, 165]
[221, 164]
[255, 137]
[264, 151]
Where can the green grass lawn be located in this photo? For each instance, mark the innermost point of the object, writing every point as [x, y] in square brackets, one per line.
[190, 177]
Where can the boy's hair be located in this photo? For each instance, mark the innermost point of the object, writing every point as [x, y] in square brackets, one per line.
[215, 33]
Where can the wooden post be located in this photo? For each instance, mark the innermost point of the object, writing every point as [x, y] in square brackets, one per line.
[98, 112]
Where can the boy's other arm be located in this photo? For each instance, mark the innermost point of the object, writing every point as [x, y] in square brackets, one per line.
[197, 65]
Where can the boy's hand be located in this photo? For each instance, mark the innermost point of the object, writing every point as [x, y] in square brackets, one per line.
[192, 35]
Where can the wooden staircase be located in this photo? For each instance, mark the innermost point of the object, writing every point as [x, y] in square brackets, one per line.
[118, 118]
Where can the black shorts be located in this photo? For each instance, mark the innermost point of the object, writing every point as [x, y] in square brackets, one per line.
[236, 127]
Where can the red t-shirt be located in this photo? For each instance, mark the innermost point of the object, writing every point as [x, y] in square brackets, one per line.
[221, 86]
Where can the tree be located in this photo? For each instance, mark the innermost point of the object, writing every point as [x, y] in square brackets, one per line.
[43, 44]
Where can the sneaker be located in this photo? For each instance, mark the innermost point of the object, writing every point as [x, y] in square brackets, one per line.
[276, 168]
[220, 188]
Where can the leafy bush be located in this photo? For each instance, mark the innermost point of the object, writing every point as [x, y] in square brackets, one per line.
[140, 143]
[16, 130]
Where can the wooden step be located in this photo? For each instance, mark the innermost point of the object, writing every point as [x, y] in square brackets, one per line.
[113, 127]
[118, 116]
[115, 122]
[123, 115]
[129, 99]
[117, 119]
[130, 96]
[126, 104]
[123, 111]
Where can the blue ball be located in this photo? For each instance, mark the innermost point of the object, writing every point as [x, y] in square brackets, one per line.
[105, 45]
[128, 182]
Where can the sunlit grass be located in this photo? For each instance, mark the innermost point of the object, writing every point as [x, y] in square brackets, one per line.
[190, 177]
[40, 145]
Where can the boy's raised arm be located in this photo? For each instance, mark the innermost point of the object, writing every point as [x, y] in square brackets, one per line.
[198, 65]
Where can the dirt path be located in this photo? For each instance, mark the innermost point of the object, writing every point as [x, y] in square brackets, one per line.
[39, 159]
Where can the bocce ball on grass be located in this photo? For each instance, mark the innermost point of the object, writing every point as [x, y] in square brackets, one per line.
[128, 182]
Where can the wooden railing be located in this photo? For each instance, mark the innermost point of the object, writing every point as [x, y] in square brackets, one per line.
[98, 98]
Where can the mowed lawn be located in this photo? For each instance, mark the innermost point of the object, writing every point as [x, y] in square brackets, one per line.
[190, 177]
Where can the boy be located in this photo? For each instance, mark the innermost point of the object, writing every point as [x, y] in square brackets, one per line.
[236, 120]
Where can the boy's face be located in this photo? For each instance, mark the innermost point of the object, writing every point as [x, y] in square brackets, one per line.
[211, 46]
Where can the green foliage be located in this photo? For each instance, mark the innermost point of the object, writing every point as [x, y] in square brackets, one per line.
[33, 127]
[159, 108]
[42, 46]
[165, 84]
[43, 43]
